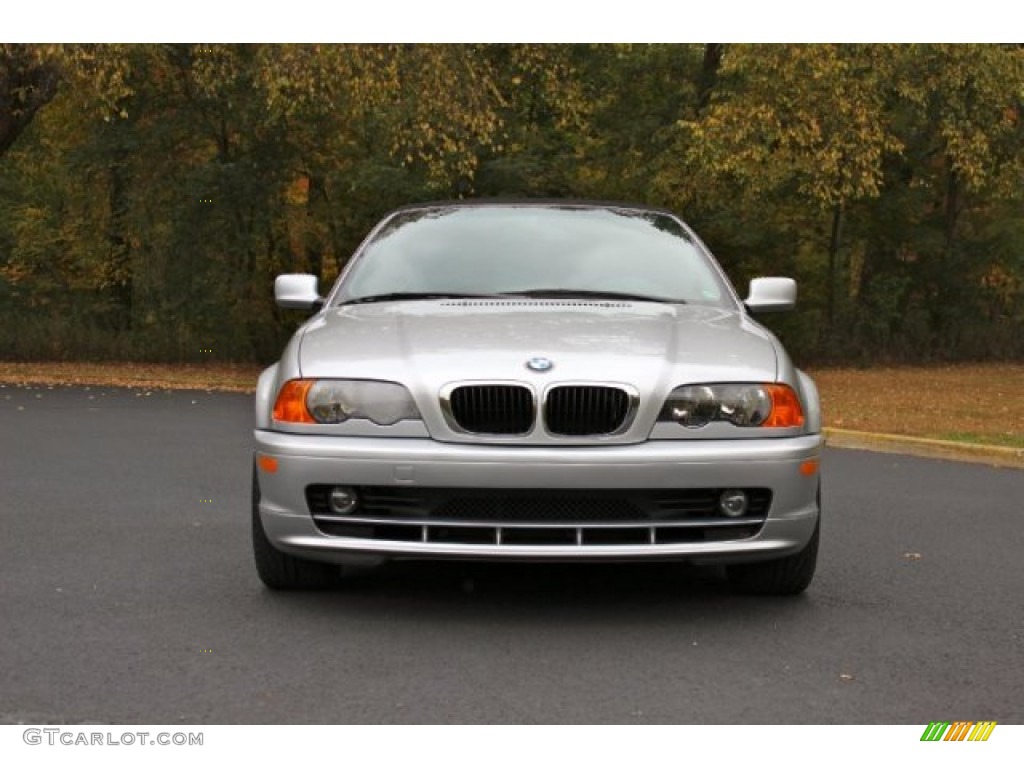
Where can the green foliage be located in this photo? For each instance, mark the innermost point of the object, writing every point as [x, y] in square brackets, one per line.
[149, 193]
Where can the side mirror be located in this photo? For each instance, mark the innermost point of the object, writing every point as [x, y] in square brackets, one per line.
[297, 292]
[771, 294]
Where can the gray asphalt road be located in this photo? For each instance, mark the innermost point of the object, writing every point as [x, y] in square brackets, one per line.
[127, 594]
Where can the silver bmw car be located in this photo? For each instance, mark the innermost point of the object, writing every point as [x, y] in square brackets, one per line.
[532, 381]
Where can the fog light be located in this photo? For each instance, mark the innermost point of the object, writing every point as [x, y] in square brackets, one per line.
[343, 499]
[732, 503]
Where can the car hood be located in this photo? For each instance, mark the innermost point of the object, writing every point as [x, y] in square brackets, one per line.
[427, 344]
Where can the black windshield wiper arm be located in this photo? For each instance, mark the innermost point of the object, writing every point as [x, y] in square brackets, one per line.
[558, 293]
[414, 296]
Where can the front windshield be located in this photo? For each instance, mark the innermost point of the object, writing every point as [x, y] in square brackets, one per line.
[514, 249]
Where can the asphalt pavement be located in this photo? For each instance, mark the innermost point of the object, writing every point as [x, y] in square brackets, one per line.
[128, 595]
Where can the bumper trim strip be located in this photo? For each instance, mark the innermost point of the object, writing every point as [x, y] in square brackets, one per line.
[703, 523]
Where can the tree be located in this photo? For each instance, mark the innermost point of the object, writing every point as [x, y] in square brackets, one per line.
[28, 81]
[794, 119]
[149, 193]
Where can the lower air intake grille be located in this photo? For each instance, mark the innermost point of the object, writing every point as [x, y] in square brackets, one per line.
[538, 518]
[512, 505]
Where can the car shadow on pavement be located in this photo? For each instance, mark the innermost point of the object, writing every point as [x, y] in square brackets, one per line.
[538, 591]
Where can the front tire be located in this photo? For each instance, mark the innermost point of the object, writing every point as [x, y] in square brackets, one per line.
[278, 570]
[785, 576]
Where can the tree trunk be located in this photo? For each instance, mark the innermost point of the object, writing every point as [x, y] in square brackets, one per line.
[950, 277]
[833, 261]
[26, 85]
[119, 264]
[952, 213]
[316, 197]
[709, 73]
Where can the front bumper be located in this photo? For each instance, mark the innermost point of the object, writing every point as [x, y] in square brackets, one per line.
[306, 460]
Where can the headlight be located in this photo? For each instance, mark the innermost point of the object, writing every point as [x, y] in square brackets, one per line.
[332, 401]
[745, 405]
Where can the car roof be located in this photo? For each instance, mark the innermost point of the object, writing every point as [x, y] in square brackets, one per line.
[533, 202]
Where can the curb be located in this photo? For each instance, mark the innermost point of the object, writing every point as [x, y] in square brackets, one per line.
[993, 455]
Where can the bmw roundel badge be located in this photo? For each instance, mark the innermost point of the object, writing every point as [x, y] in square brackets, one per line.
[539, 364]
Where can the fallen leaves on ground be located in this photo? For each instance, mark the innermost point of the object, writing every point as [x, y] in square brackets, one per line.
[981, 403]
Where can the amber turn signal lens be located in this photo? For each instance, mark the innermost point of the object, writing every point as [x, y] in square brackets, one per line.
[267, 463]
[291, 402]
[809, 467]
[786, 410]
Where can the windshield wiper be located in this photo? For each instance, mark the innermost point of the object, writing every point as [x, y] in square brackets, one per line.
[559, 293]
[534, 293]
[414, 296]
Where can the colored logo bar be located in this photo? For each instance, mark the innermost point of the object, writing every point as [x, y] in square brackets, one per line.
[959, 730]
